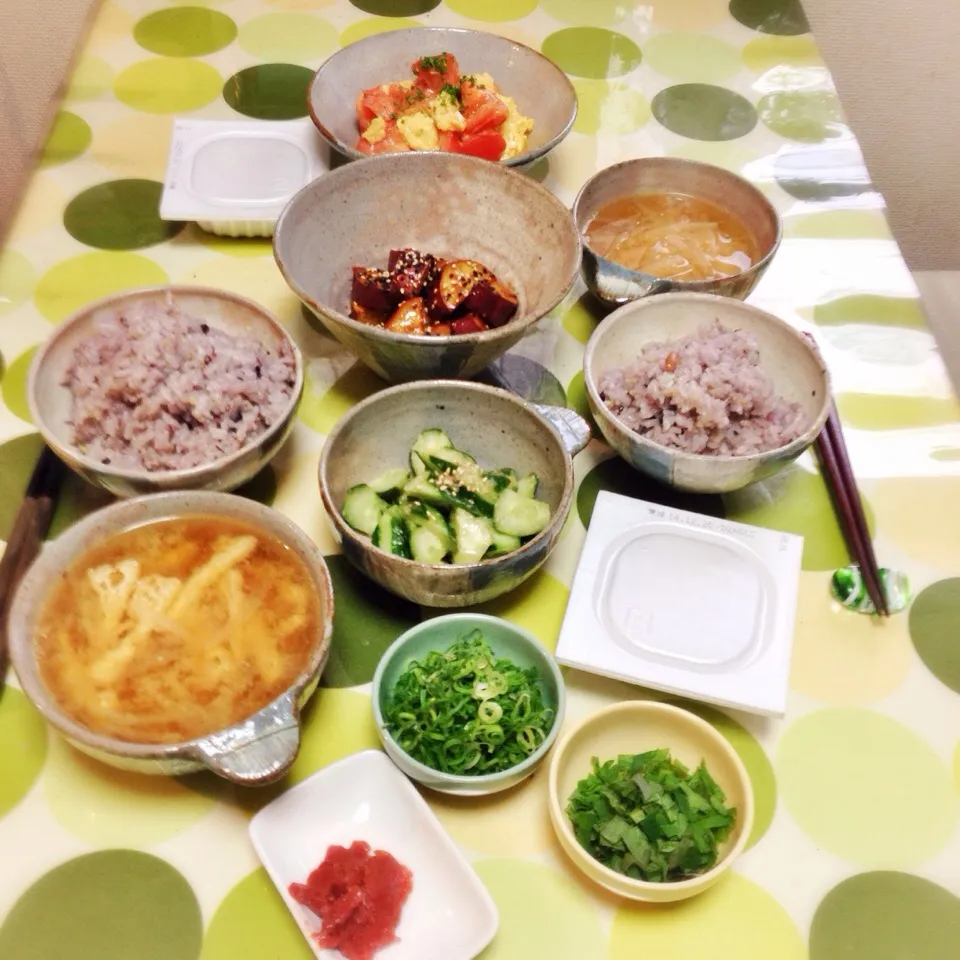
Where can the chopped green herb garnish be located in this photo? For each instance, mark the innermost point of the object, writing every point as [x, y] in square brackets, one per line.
[451, 91]
[648, 817]
[438, 63]
[466, 711]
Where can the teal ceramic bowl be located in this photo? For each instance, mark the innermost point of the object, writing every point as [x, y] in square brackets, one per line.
[506, 640]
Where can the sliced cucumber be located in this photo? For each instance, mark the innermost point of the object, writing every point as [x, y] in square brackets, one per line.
[427, 545]
[362, 508]
[520, 516]
[417, 465]
[473, 536]
[431, 441]
[391, 534]
[419, 513]
[503, 479]
[425, 490]
[421, 488]
[527, 487]
[444, 459]
[389, 485]
[503, 543]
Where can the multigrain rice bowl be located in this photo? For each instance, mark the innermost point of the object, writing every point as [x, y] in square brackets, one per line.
[705, 393]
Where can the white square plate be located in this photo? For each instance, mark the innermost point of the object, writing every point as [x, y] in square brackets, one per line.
[448, 916]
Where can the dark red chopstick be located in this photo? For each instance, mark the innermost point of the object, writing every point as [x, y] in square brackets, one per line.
[838, 473]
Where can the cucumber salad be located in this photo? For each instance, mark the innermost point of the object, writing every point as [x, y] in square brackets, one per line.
[445, 508]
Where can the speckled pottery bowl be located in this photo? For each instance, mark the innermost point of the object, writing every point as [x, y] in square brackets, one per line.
[542, 90]
[614, 284]
[255, 751]
[445, 204]
[497, 429]
[50, 401]
[788, 358]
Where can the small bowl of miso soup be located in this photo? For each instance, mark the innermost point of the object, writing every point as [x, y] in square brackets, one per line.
[662, 224]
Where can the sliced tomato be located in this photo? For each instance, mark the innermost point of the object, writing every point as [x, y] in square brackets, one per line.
[487, 144]
[364, 113]
[392, 142]
[383, 101]
[449, 141]
[489, 116]
[432, 73]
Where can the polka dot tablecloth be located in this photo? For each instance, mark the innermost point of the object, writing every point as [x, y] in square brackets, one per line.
[856, 849]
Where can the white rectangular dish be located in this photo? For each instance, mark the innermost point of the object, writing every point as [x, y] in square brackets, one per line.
[684, 603]
[449, 914]
[234, 177]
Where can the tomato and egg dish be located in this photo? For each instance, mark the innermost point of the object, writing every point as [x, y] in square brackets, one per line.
[441, 110]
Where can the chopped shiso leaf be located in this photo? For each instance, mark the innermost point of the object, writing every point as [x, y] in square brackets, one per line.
[467, 711]
[647, 817]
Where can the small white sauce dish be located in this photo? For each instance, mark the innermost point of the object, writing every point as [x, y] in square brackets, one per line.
[449, 914]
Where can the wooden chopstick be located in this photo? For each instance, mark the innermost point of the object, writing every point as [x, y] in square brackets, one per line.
[29, 528]
[838, 473]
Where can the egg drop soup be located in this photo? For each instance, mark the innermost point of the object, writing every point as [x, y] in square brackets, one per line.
[673, 236]
[176, 629]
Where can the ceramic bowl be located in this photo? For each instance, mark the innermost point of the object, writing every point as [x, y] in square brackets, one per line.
[541, 90]
[497, 429]
[258, 749]
[614, 284]
[506, 640]
[449, 205]
[50, 401]
[789, 359]
[635, 727]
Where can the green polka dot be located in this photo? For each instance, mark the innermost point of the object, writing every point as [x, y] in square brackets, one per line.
[886, 916]
[395, 8]
[595, 13]
[185, 32]
[367, 619]
[839, 225]
[69, 137]
[525, 378]
[23, 746]
[119, 215]
[361, 29]
[106, 807]
[273, 91]
[782, 17]
[933, 622]
[735, 920]
[796, 501]
[610, 108]
[878, 411]
[17, 278]
[75, 282]
[821, 172]
[769, 53]
[831, 761]
[577, 400]
[809, 117]
[292, 37]
[592, 52]
[321, 408]
[14, 385]
[583, 317]
[618, 476]
[262, 488]
[491, 11]
[704, 112]
[691, 55]
[558, 921]
[253, 923]
[91, 78]
[109, 905]
[168, 85]
[872, 309]
[538, 170]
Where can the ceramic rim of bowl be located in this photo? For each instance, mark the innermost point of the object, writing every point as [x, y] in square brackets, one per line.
[528, 156]
[459, 779]
[621, 314]
[381, 333]
[68, 451]
[334, 510]
[561, 821]
[31, 681]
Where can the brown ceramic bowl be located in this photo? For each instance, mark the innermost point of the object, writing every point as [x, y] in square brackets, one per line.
[541, 90]
[449, 205]
[498, 429]
[615, 284]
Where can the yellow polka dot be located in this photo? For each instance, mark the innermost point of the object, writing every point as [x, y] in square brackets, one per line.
[770, 52]
[537, 605]
[686, 14]
[324, 404]
[112, 23]
[508, 30]
[843, 657]
[361, 29]
[92, 78]
[234, 246]
[915, 515]
[260, 280]
[510, 824]
[956, 767]
[134, 146]
[735, 920]
[300, 4]
[574, 161]
[112, 808]
[298, 498]
[41, 208]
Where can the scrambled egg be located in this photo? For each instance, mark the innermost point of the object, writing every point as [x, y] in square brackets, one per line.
[514, 130]
[446, 112]
[376, 131]
[419, 131]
